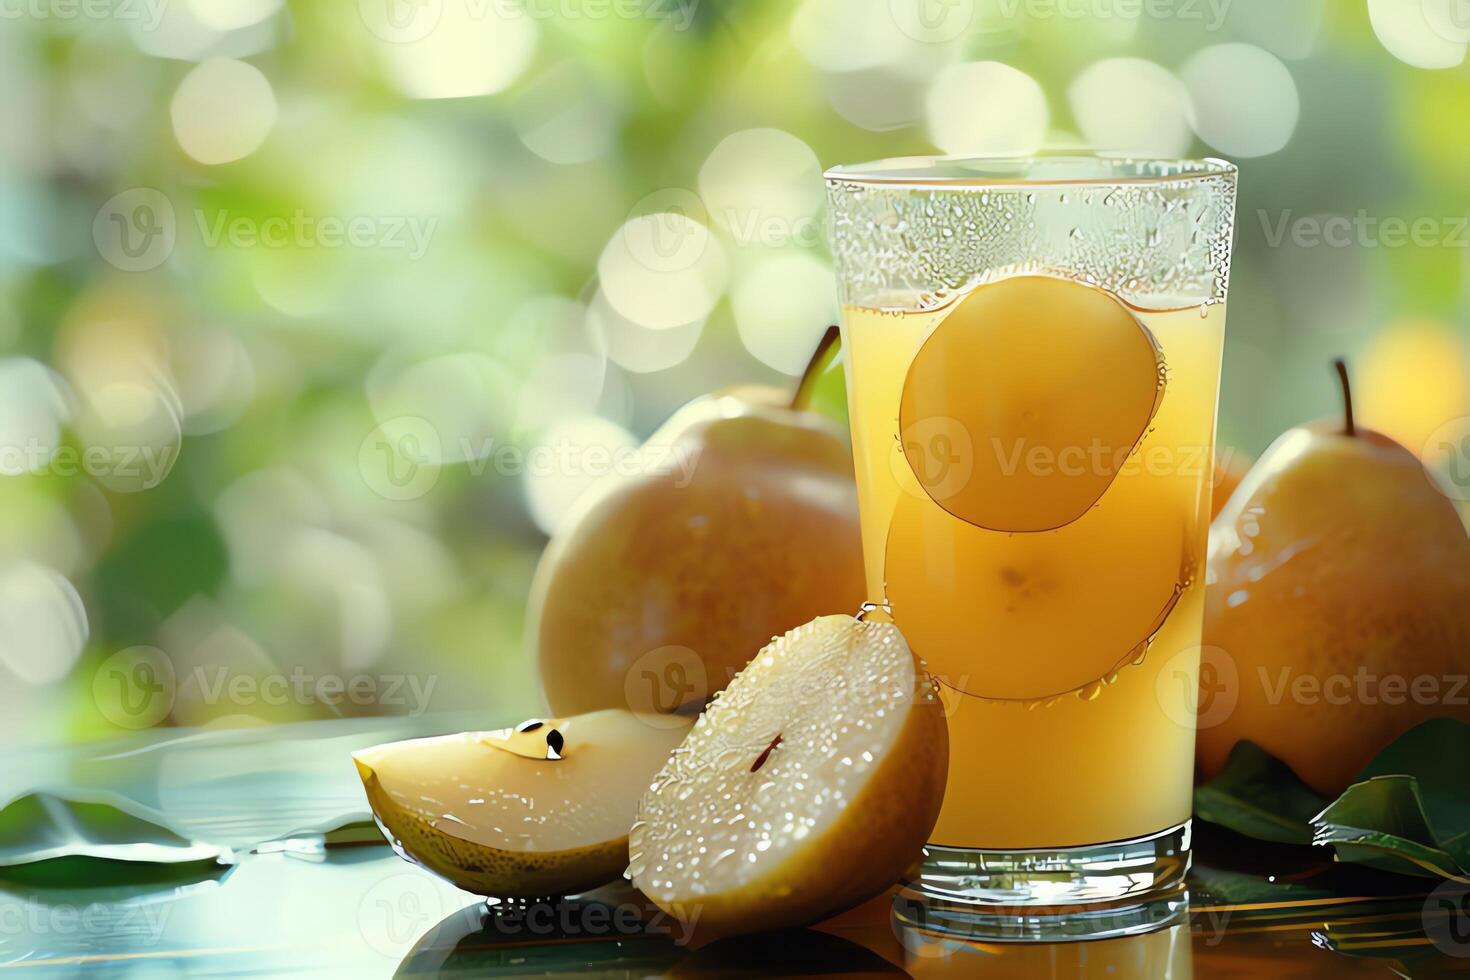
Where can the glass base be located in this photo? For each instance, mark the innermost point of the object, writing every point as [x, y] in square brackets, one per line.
[1054, 895]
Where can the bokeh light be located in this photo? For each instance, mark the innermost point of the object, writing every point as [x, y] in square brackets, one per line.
[1412, 378]
[761, 182]
[663, 269]
[1422, 33]
[782, 307]
[454, 50]
[229, 15]
[1245, 101]
[1132, 106]
[43, 624]
[33, 407]
[223, 110]
[987, 108]
[846, 35]
[636, 347]
[566, 461]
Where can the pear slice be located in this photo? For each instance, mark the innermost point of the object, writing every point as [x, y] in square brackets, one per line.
[1032, 617]
[1051, 383]
[539, 809]
[808, 786]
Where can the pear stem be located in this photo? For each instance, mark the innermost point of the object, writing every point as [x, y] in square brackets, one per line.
[1347, 397]
[821, 360]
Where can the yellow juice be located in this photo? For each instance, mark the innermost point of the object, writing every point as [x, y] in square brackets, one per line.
[1076, 721]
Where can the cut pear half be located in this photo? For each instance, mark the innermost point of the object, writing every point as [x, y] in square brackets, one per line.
[808, 786]
[1045, 386]
[539, 809]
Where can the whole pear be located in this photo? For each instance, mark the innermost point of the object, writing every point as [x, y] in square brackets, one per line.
[1337, 604]
[741, 524]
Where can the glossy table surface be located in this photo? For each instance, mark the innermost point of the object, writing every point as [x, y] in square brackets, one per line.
[356, 909]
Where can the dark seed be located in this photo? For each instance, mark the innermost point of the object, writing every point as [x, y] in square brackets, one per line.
[760, 760]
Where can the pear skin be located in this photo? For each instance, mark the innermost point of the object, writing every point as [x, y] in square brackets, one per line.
[660, 586]
[1339, 590]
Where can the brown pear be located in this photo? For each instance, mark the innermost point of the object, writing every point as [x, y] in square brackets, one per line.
[1338, 604]
[660, 586]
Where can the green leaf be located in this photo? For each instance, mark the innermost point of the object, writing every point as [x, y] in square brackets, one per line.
[42, 827]
[1381, 823]
[1437, 754]
[1259, 796]
[1408, 812]
[106, 875]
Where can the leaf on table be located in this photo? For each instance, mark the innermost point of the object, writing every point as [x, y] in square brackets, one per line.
[1381, 823]
[1258, 795]
[42, 826]
[108, 875]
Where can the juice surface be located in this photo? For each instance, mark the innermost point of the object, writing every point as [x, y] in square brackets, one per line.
[1104, 760]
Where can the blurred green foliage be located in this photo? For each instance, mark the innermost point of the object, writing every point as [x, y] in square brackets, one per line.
[272, 374]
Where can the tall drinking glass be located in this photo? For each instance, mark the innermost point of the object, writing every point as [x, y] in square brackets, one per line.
[1033, 357]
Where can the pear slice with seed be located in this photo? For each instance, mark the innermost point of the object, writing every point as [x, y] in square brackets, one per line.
[539, 809]
[808, 786]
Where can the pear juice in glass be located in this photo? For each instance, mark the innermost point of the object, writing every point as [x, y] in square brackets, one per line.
[1033, 353]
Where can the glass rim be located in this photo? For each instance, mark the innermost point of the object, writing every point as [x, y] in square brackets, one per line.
[1000, 172]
